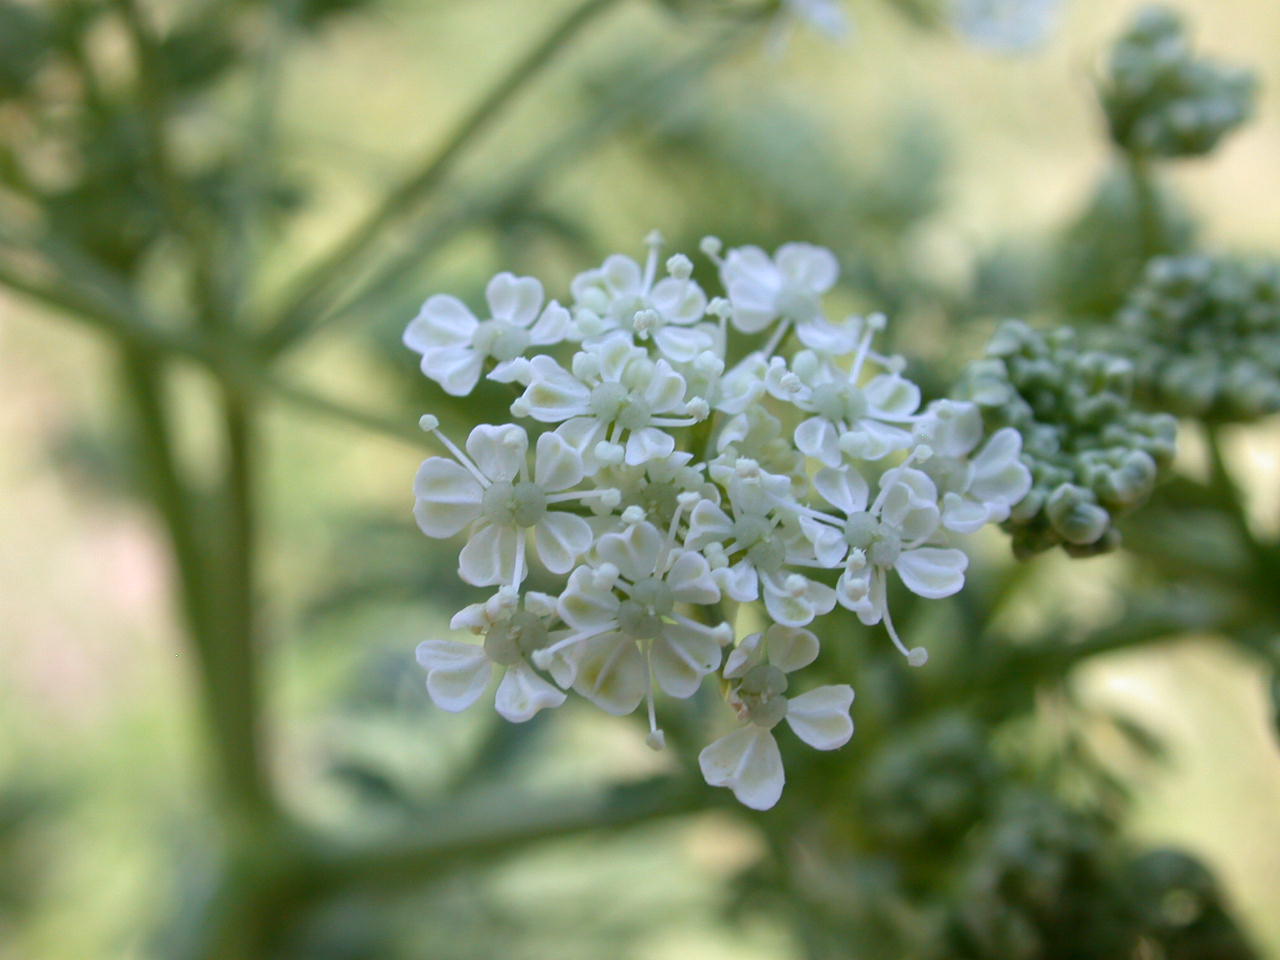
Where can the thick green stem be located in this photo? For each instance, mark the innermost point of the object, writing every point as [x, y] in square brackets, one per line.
[220, 671]
[316, 283]
[1146, 195]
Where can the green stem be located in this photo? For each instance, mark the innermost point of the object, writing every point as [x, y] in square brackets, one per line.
[1151, 228]
[242, 791]
[303, 303]
[181, 209]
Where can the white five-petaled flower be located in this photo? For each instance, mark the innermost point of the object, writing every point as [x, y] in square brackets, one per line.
[488, 488]
[455, 345]
[627, 631]
[977, 489]
[457, 673]
[747, 760]
[755, 550]
[788, 286]
[895, 532]
[617, 405]
[848, 419]
[619, 295]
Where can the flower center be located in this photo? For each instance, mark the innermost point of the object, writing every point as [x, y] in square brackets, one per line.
[761, 691]
[800, 306]
[500, 339]
[514, 504]
[613, 403]
[515, 638]
[641, 615]
[839, 402]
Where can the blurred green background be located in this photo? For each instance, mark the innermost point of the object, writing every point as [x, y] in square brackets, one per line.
[941, 174]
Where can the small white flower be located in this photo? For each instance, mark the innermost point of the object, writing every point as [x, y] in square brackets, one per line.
[627, 631]
[848, 419]
[760, 546]
[457, 673]
[455, 345]
[896, 532]
[788, 285]
[747, 760]
[616, 406]
[621, 296]
[976, 490]
[489, 489]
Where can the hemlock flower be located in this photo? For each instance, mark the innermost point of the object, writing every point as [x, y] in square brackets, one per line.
[455, 345]
[627, 631]
[789, 285]
[491, 492]
[458, 673]
[615, 406]
[747, 761]
[672, 480]
[619, 295]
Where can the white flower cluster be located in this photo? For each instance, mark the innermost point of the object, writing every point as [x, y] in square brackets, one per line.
[691, 455]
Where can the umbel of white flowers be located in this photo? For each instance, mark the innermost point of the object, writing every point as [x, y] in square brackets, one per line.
[678, 465]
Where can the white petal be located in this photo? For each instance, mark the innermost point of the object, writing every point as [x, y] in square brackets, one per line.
[612, 673]
[739, 581]
[690, 579]
[892, 397]
[817, 438]
[665, 389]
[752, 282]
[447, 497]
[456, 369]
[962, 514]
[560, 539]
[558, 466]
[809, 267]
[875, 440]
[522, 693]
[583, 606]
[682, 656]
[498, 451]
[828, 544]
[821, 717]
[747, 761]
[621, 274]
[748, 653]
[932, 572]
[442, 322]
[790, 648]
[679, 301]
[553, 394]
[514, 299]
[457, 673]
[649, 444]
[846, 490]
[708, 523]
[635, 553]
[489, 557]
[552, 327]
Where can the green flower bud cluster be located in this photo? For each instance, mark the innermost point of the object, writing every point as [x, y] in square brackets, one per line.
[1092, 455]
[1162, 100]
[1204, 334]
